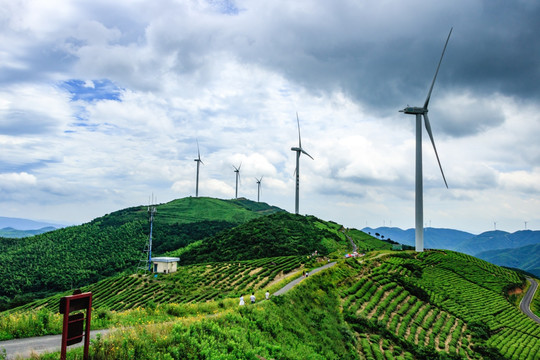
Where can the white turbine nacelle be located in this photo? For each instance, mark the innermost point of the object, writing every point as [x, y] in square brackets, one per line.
[414, 110]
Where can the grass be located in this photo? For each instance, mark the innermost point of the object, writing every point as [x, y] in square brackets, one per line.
[398, 305]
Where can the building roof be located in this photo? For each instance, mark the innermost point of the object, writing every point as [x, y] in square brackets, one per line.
[165, 259]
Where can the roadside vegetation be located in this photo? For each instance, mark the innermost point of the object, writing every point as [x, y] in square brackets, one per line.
[383, 304]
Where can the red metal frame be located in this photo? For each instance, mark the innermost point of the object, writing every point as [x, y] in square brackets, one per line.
[74, 303]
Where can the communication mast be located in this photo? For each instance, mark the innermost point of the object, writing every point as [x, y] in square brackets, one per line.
[145, 263]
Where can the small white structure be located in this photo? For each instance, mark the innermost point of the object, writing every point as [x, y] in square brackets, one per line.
[165, 265]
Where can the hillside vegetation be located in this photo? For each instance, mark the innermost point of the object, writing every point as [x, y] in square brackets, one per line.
[431, 305]
[278, 234]
[80, 255]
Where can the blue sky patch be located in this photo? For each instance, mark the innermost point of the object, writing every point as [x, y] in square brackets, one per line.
[225, 6]
[91, 90]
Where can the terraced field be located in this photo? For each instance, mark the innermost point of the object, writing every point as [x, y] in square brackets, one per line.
[439, 301]
[195, 283]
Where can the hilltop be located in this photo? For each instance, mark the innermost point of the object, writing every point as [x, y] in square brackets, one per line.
[80, 255]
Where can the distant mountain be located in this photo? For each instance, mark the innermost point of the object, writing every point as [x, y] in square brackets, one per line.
[10, 232]
[79, 255]
[525, 257]
[434, 238]
[494, 240]
[25, 224]
[517, 250]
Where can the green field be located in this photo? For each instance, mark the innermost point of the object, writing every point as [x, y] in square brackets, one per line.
[383, 305]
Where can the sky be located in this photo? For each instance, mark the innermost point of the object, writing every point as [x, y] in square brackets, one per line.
[102, 104]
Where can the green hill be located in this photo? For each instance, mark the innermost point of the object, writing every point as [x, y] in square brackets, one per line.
[394, 305]
[79, 255]
[526, 258]
[278, 234]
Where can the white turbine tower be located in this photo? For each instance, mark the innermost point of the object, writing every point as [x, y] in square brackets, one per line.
[237, 171]
[199, 161]
[299, 151]
[259, 189]
[419, 112]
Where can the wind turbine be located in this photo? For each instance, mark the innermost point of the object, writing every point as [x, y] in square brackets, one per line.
[199, 161]
[299, 151]
[259, 190]
[419, 112]
[237, 171]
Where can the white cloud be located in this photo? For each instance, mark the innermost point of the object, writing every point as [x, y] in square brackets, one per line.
[234, 81]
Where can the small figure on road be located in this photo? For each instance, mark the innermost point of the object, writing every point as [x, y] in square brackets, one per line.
[252, 298]
[267, 295]
[241, 300]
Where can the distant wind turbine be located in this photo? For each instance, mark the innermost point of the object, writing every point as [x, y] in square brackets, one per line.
[259, 188]
[237, 171]
[299, 151]
[419, 112]
[199, 161]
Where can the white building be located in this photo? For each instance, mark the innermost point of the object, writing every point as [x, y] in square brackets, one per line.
[165, 265]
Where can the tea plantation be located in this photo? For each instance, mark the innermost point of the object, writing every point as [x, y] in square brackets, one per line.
[383, 305]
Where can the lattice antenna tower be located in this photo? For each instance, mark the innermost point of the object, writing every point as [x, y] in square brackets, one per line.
[145, 263]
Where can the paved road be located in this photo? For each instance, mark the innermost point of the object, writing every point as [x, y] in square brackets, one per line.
[525, 304]
[290, 285]
[354, 247]
[23, 348]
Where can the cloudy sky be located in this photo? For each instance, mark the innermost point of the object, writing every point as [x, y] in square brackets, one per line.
[102, 102]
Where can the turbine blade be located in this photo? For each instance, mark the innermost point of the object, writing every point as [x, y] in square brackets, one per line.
[299, 139]
[436, 72]
[198, 151]
[304, 152]
[428, 128]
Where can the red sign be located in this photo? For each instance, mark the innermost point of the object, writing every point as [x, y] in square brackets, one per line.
[74, 325]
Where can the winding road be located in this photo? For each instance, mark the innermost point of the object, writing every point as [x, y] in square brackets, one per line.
[525, 304]
[24, 348]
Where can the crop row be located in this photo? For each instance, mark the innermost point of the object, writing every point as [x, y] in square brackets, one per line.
[374, 348]
[194, 283]
[408, 317]
[514, 344]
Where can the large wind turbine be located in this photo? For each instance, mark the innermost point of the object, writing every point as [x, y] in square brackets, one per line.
[299, 151]
[419, 112]
[259, 191]
[237, 171]
[199, 161]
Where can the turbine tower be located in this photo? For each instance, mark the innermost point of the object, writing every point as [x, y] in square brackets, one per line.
[199, 161]
[259, 191]
[237, 171]
[419, 112]
[299, 151]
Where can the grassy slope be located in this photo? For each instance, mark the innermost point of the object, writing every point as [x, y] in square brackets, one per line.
[391, 307]
[274, 235]
[80, 255]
